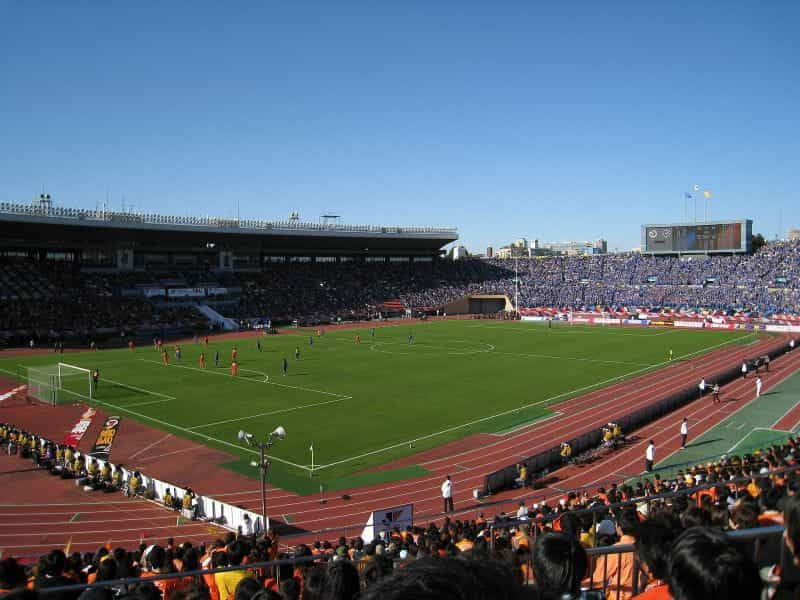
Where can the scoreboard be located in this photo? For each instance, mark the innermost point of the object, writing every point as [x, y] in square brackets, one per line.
[698, 238]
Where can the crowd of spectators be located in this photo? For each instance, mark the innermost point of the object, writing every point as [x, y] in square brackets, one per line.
[765, 282]
[48, 300]
[676, 525]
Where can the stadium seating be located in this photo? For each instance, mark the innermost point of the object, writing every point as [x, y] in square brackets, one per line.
[45, 300]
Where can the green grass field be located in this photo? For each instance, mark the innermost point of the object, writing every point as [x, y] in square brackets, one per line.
[362, 405]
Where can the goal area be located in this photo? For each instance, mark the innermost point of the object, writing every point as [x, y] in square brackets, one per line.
[59, 383]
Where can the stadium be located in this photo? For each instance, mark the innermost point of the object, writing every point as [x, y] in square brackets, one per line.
[399, 300]
[205, 353]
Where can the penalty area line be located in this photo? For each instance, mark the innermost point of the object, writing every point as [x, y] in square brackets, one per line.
[271, 412]
[265, 381]
[197, 434]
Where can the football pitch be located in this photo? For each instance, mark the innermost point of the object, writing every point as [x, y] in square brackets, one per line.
[405, 389]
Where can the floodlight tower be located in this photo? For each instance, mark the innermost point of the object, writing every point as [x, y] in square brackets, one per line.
[263, 463]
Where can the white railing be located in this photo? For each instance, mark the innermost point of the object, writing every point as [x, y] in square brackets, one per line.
[112, 217]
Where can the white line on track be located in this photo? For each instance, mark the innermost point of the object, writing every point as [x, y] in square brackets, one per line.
[146, 448]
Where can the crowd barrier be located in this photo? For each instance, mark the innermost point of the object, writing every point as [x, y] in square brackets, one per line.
[542, 463]
[206, 508]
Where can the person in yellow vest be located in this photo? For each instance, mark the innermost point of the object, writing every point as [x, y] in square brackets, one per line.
[168, 499]
[565, 452]
[134, 484]
[116, 478]
[617, 431]
[608, 437]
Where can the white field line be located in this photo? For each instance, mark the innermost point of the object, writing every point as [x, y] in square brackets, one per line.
[736, 445]
[194, 433]
[138, 389]
[149, 402]
[294, 502]
[271, 412]
[146, 448]
[294, 387]
[591, 360]
[578, 328]
[530, 405]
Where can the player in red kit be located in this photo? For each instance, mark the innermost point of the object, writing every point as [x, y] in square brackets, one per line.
[131, 345]
[234, 354]
[234, 369]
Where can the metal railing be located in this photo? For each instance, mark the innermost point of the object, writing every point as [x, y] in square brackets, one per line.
[113, 217]
[610, 580]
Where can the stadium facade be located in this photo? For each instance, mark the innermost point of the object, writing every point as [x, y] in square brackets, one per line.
[122, 241]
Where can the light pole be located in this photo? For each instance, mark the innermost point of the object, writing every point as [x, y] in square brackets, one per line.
[263, 463]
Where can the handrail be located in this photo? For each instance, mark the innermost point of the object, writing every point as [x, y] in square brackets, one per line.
[741, 535]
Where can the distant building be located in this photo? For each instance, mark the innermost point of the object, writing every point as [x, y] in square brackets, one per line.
[460, 252]
[574, 248]
[794, 235]
[489, 252]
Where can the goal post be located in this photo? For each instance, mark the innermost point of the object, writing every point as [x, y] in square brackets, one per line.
[74, 382]
[59, 383]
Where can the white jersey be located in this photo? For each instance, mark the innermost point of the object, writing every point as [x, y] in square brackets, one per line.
[447, 489]
[650, 454]
[684, 428]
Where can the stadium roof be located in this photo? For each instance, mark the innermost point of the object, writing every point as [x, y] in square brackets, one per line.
[35, 223]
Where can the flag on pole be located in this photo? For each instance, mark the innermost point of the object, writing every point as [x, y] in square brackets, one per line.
[707, 194]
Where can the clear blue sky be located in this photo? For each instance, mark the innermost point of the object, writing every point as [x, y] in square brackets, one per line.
[552, 120]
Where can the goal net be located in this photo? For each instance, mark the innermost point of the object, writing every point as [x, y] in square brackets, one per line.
[59, 383]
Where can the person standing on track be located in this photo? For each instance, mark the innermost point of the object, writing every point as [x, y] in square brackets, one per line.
[744, 370]
[702, 386]
[447, 494]
[758, 387]
[715, 392]
[684, 432]
[650, 456]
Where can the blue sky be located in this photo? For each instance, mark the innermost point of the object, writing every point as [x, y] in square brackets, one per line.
[546, 120]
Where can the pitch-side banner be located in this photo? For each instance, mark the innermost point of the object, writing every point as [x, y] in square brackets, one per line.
[79, 429]
[186, 292]
[105, 439]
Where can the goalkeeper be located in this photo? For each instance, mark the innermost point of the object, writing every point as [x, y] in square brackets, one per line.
[95, 377]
